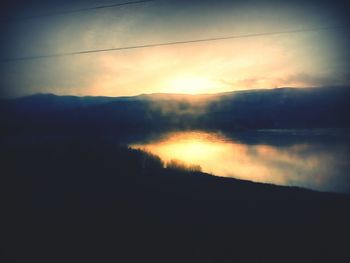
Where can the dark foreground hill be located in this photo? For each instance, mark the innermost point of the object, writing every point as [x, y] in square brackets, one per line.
[324, 107]
[79, 201]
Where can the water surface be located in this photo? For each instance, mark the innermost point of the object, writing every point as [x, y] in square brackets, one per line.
[313, 159]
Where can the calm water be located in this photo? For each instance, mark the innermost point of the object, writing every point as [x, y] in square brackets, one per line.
[313, 159]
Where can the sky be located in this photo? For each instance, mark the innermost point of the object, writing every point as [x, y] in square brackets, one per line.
[303, 59]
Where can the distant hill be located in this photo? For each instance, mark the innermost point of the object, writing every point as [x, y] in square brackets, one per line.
[323, 107]
[282, 108]
[51, 102]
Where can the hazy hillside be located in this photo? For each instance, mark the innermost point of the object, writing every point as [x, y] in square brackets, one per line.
[275, 108]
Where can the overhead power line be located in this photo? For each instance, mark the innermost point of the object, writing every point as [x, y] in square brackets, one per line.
[168, 43]
[56, 13]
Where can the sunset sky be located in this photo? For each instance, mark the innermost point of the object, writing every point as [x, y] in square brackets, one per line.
[310, 58]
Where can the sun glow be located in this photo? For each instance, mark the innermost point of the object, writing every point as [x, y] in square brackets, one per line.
[191, 85]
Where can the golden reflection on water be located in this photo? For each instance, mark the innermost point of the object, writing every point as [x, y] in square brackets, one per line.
[296, 164]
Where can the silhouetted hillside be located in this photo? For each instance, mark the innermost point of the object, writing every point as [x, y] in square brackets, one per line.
[90, 200]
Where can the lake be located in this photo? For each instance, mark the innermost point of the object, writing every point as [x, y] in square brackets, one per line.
[315, 159]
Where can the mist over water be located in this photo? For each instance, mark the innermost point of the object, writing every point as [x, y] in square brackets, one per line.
[312, 159]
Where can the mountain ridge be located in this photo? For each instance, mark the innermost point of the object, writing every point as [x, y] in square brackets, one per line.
[253, 90]
[323, 107]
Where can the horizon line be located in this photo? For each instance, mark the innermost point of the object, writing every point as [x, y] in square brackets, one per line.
[169, 93]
